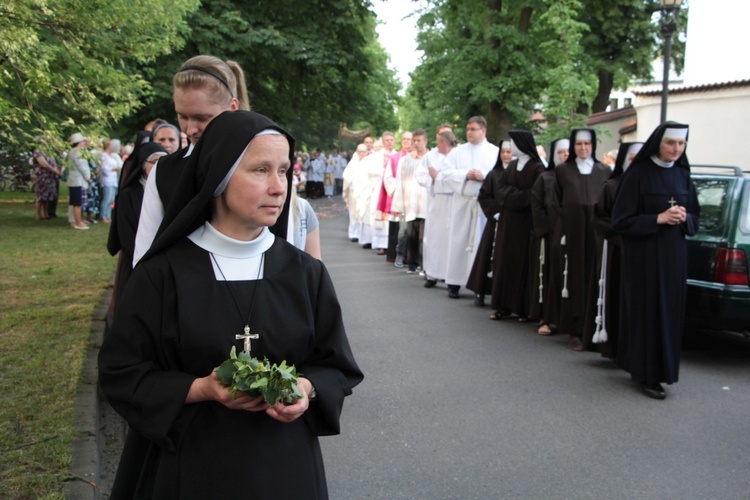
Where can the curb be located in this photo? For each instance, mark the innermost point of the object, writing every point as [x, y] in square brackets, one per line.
[85, 465]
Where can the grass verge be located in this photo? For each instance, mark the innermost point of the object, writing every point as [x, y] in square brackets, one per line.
[51, 279]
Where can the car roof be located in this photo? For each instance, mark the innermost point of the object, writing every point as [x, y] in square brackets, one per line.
[723, 170]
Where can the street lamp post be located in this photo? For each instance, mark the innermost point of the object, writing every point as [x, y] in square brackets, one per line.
[668, 27]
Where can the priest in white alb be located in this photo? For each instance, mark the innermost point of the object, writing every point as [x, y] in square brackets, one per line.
[464, 170]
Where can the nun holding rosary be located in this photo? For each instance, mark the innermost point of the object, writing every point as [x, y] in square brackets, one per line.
[214, 270]
[656, 206]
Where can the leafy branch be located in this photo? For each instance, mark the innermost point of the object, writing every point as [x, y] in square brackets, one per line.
[255, 378]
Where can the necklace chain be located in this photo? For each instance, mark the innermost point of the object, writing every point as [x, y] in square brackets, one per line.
[255, 291]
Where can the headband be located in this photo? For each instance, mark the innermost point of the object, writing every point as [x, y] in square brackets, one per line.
[208, 72]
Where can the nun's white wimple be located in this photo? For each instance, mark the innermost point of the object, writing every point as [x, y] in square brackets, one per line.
[223, 185]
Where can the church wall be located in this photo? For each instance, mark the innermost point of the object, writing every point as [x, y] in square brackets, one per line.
[717, 119]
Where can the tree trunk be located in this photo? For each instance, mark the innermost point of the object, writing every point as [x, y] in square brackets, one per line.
[498, 123]
[606, 81]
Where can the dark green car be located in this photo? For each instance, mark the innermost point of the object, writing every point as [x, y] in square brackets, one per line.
[718, 295]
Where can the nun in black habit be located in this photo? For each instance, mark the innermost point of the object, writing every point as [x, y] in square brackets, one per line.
[544, 305]
[656, 206]
[480, 276]
[514, 235]
[215, 270]
[578, 183]
[126, 213]
[603, 308]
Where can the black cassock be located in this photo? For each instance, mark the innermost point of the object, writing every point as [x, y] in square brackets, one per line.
[602, 224]
[543, 304]
[177, 323]
[128, 211]
[654, 269]
[510, 266]
[577, 194]
[479, 280]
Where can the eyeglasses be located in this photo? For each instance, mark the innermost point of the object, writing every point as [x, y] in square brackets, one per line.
[473, 129]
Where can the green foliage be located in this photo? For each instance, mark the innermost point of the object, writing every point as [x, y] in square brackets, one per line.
[309, 65]
[505, 60]
[570, 79]
[70, 65]
[256, 378]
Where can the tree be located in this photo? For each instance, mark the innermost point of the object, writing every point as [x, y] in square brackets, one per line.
[71, 64]
[618, 46]
[506, 59]
[570, 81]
[478, 60]
[310, 65]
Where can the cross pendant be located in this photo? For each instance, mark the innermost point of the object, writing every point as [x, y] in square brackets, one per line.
[247, 336]
[672, 202]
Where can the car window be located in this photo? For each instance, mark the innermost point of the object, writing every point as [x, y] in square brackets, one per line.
[711, 196]
[745, 210]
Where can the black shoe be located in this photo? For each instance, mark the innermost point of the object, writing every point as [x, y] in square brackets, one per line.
[411, 270]
[453, 291]
[430, 283]
[479, 299]
[354, 240]
[655, 391]
[367, 246]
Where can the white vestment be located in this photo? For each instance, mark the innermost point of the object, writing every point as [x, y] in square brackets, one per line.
[349, 193]
[409, 197]
[467, 218]
[437, 217]
[367, 200]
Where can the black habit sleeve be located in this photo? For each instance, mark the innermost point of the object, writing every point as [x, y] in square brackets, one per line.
[135, 372]
[486, 197]
[331, 368]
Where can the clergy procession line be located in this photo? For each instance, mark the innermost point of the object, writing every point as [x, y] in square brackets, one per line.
[581, 248]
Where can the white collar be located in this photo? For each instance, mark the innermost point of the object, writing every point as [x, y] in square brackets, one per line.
[662, 164]
[523, 159]
[233, 260]
[211, 240]
[585, 165]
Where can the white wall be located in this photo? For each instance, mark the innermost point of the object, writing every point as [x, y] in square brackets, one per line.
[717, 119]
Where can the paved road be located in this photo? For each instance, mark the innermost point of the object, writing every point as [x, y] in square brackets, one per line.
[457, 406]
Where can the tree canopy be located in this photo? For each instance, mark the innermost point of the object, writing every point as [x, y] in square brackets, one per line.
[505, 60]
[311, 66]
[67, 65]
[102, 67]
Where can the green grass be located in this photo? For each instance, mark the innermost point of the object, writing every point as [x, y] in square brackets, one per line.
[51, 279]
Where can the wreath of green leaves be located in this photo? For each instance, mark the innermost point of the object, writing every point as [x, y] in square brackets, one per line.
[259, 378]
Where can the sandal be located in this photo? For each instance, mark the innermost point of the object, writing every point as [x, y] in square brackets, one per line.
[495, 316]
[523, 319]
[544, 329]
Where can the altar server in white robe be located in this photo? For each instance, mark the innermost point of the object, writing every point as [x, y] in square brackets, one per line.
[438, 211]
[465, 169]
[349, 193]
[374, 229]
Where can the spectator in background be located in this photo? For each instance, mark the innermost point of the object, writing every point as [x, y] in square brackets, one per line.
[609, 158]
[303, 231]
[92, 196]
[47, 172]
[79, 178]
[340, 163]
[111, 164]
